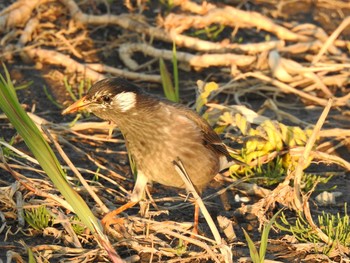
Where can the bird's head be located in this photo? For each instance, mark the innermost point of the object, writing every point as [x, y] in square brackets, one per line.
[112, 95]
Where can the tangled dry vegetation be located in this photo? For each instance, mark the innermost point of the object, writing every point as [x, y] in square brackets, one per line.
[270, 67]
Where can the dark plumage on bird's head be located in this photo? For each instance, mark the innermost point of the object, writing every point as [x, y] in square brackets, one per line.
[112, 87]
[115, 94]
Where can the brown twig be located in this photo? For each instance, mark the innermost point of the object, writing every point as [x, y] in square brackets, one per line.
[224, 15]
[303, 159]
[331, 39]
[197, 61]
[17, 14]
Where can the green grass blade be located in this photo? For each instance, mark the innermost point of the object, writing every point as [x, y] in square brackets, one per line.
[265, 235]
[45, 156]
[41, 150]
[167, 84]
[50, 98]
[69, 89]
[176, 74]
[254, 255]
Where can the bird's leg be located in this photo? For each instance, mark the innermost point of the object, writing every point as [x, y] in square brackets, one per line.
[135, 197]
[179, 167]
[139, 188]
[195, 220]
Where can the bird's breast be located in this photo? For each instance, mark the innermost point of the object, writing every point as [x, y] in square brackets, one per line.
[155, 147]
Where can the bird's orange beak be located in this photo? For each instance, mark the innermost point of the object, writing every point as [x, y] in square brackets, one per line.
[76, 106]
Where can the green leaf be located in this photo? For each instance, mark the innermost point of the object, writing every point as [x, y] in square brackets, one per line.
[176, 74]
[167, 84]
[265, 235]
[252, 249]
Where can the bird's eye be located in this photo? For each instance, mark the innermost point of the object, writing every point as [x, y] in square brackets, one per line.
[106, 98]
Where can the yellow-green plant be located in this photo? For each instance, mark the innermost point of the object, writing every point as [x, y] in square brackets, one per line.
[6, 151]
[255, 255]
[39, 217]
[336, 227]
[268, 137]
[171, 91]
[77, 225]
[210, 32]
[31, 258]
[268, 174]
[50, 98]
[81, 89]
[310, 180]
[205, 92]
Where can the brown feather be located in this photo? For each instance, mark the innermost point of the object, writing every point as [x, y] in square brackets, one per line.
[157, 132]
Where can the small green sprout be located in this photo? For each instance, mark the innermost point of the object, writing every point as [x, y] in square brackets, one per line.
[39, 218]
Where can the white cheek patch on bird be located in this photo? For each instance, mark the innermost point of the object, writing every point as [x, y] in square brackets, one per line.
[125, 101]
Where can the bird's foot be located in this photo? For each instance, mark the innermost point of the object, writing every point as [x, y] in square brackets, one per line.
[109, 219]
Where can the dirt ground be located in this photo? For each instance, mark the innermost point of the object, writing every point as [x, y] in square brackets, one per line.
[97, 45]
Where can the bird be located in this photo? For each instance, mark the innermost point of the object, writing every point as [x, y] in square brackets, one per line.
[157, 132]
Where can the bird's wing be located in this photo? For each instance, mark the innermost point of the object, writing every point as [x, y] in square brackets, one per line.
[210, 138]
[213, 141]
